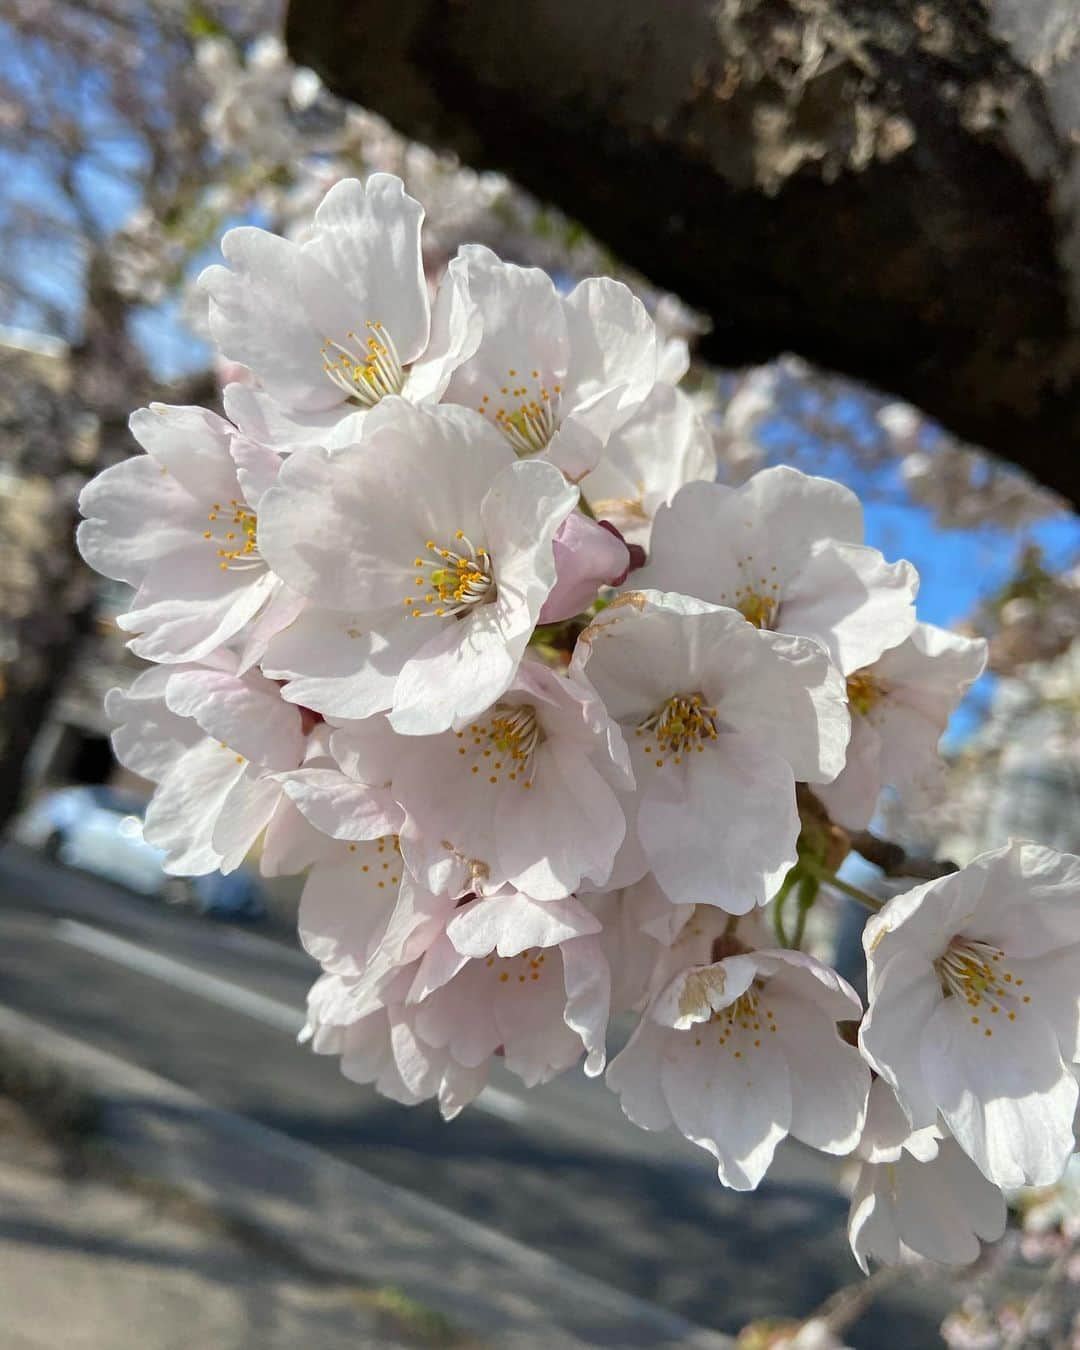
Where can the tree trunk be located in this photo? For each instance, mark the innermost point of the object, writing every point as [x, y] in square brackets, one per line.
[886, 187]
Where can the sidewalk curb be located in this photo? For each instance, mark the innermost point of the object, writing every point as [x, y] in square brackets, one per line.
[342, 1218]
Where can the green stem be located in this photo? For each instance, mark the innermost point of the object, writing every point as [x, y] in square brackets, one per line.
[808, 889]
[845, 887]
[778, 906]
[585, 508]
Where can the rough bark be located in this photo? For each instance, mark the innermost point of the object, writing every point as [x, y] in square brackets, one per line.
[886, 187]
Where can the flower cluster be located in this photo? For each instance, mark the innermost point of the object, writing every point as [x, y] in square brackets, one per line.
[448, 611]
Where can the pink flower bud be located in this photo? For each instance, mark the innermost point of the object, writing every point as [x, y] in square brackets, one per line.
[588, 555]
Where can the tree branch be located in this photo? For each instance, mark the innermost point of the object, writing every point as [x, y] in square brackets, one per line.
[869, 183]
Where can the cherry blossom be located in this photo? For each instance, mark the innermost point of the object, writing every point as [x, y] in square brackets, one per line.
[426, 551]
[513, 974]
[556, 376]
[213, 741]
[899, 709]
[974, 1008]
[341, 320]
[721, 720]
[376, 1045]
[408, 641]
[786, 551]
[180, 523]
[647, 460]
[525, 794]
[917, 1191]
[588, 556]
[741, 1052]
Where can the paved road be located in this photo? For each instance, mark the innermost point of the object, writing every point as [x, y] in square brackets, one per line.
[215, 1009]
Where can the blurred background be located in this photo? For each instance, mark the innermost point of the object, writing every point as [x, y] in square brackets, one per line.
[863, 224]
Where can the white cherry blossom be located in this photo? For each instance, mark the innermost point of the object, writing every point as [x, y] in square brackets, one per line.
[786, 550]
[741, 1052]
[426, 552]
[647, 460]
[376, 1044]
[721, 720]
[213, 741]
[180, 524]
[917, 1191]
[512, 974]
[340, 321]
[556, 375]
[900, 707]
[524, 795]
[974, 1008]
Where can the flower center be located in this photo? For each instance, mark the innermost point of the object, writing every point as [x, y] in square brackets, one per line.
[529, 416]
[505, 744]
[760, 610]
[367, 369]
[757, 598]
[976, 972]
[234, 534]
[863, 691]
[684, 723]
[452, 580]
[517, 970]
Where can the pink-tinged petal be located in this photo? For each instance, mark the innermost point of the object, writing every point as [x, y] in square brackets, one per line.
[522, 328]
[257, 416]
[459, 1087]
[341, 808]
[732, 784]
[1007, 1097]
[612, 352]
[829, 1081]
[192, 445]
[213, 609]
[587, 979]
[344, 912]
[149, 738]
[872, 1230]
[631, 481]
[291, 844]
[567, 827]
[337, 666]
[904, 997]
[530, 1015]
[257, 468]
[344, 527]
[802, 976]
[136, 512]
[282, 608]
[887, 1131]
[587, 556]
[257, 317]
[737, 1109]
[456, 675]
[245, 813]
[848, 598]
[522, 513]
[634, 1076]
[248, 715]
[714, 542]
[362, 265]
[510, 924]
[782, 691]
[183, 811]
[852, 799]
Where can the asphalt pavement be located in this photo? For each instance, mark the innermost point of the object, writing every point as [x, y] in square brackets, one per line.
[215, 1009]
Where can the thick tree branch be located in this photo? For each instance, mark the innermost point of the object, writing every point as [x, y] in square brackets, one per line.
[874, 184]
